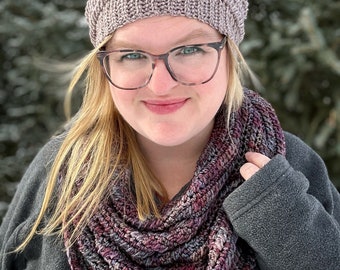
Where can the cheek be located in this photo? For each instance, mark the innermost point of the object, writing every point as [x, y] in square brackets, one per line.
[219, 84]
[121, 96]
[122, 99]
[223, 71]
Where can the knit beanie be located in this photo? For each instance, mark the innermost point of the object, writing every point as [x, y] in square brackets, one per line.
[226, 16]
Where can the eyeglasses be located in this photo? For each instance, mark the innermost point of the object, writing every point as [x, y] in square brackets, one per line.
[189, 65]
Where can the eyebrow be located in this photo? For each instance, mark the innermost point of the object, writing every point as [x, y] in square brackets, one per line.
[195, 34]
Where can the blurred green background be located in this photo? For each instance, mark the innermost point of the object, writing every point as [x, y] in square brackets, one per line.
[293, 46]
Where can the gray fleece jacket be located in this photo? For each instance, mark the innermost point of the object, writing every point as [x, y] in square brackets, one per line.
[288, 212]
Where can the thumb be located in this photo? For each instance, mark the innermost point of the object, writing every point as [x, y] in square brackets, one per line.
[255, 162]
[248, 169]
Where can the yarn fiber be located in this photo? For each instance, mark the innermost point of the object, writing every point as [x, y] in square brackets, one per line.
[105, 16]
[193, 232]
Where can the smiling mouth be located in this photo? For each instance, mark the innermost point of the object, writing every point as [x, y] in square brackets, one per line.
[165, 107]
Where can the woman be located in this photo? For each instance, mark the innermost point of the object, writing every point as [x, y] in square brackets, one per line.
[170, 163]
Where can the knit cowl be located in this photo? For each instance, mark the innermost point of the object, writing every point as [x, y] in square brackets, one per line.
[194, 231]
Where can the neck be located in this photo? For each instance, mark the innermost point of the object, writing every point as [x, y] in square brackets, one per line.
[174, 166]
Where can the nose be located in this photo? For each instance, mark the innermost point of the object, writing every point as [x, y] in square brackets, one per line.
[161, 81]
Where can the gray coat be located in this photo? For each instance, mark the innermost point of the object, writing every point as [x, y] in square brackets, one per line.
[289, 213]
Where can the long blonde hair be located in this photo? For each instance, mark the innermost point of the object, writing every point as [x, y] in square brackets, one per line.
[98, 145]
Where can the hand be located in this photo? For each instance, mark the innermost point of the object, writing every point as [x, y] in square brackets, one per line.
[256, 161]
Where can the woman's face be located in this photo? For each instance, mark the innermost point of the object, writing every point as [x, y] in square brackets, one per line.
[166, 112]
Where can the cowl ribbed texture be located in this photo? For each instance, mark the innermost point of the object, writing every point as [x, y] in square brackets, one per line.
[226, 16]
[193, 232]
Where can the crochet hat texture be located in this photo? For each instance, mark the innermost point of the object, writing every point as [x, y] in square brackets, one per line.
[226, 16]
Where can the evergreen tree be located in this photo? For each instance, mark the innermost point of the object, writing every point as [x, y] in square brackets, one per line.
[293, 47]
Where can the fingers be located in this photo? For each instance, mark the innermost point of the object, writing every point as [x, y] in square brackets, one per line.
[248, 170]
[256, 161]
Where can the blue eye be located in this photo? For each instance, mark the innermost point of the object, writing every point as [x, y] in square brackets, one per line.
[133, 56]
[190, 50]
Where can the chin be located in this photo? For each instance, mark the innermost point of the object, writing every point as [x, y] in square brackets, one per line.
[169, 142]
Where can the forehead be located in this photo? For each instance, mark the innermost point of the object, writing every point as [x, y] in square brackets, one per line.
[164, 30]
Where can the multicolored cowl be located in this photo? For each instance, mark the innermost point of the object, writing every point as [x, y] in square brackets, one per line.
[194, 231]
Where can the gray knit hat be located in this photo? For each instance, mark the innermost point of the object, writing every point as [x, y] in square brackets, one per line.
[226, 16]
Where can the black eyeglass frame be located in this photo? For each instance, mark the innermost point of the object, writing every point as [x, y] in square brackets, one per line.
[218, 46]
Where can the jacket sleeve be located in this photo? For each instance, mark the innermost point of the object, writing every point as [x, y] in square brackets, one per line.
[41, 252]
[289, 212]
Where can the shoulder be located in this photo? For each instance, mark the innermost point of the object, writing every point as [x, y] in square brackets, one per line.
[48, 152]
[35, 177]
[36, 173]
[30, 190]
[303, 158]
[296, 148]
[23, 212]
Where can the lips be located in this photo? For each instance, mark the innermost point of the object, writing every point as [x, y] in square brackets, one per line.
[165, 106]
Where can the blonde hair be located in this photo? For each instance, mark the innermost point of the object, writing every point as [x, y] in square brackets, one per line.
[98, 145]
